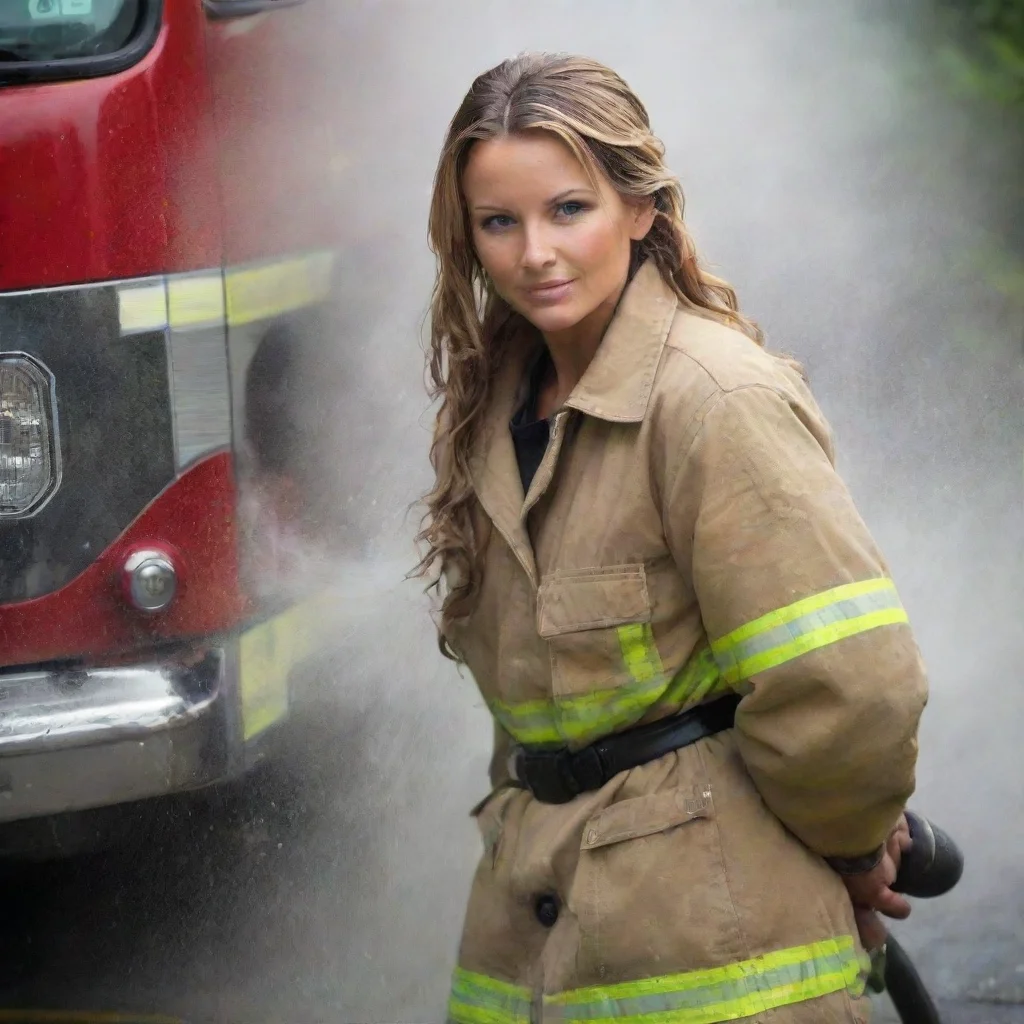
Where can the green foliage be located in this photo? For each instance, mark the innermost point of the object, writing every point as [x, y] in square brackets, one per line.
[984, 54]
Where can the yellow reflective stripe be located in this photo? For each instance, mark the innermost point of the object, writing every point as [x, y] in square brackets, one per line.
[639, 652]
[588, 716]
[196, 300]
[531, 722]
[142, 306]
[241, 295]
[267, 654]
[270, 289]
[743, 989]
[813, 641]
[696, 681]
[803, 607]
[807, 625]
[579, 718]
[478, 999]
[573, 719]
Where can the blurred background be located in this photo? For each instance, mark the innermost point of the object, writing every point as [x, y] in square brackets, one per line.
[854, 169]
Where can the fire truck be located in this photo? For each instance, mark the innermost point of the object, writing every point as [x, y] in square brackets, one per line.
[168, 253]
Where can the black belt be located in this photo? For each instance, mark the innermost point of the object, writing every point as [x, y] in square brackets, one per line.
[558, 776]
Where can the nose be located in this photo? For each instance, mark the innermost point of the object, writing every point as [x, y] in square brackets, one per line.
[538, 252]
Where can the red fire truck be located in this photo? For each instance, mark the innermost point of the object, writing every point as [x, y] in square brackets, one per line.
[167, 255]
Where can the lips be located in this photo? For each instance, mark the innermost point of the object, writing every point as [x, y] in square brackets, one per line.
[550, 291]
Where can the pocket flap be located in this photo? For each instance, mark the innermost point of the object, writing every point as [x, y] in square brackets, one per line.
[569, 602]
[646, 815]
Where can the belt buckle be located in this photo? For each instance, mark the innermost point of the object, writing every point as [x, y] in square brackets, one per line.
[542, 772]
[557, 776]
[588, 770]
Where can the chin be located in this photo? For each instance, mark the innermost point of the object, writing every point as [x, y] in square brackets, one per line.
[554, 319]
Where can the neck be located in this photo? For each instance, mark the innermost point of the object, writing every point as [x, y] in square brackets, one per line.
[573, 349]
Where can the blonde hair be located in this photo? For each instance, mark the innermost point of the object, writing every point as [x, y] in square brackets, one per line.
[591, 109]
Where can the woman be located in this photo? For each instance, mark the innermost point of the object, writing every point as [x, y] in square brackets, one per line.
[705, 691]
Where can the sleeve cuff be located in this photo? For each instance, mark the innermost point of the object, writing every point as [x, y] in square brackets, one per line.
[856, 865]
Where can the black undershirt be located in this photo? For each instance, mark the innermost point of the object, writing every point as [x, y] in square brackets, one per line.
[530, 435]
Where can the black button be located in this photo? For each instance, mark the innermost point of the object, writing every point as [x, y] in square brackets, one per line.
[546, 909]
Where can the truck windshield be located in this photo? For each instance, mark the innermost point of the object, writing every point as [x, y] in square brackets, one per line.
[52, 30]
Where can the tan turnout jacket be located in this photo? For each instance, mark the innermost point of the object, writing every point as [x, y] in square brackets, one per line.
[686, 534]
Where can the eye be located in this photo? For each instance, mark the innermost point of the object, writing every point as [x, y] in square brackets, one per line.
[570, 209]
[498, 222]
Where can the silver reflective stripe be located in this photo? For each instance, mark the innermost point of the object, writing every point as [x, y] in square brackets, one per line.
[850, 608]
[740, 990]
[807, 625]
[198, 358]
[479, 999]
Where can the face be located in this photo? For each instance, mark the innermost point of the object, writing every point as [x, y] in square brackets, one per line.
[556, 248]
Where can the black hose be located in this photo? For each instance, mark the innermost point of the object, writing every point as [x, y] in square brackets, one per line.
[906, 989]
[932, 865]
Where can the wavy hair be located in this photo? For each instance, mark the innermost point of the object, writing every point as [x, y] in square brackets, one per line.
[593, 111]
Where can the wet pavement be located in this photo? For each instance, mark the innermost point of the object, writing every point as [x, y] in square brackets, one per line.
[323, 890]
[858, 210]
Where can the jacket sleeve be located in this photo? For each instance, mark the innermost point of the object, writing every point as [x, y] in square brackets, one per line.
[802, 617]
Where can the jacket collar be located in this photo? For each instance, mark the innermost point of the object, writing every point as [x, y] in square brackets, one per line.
[617, 384]
[615, 387]
[493, 466]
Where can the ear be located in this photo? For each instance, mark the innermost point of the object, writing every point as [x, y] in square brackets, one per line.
[642, 219]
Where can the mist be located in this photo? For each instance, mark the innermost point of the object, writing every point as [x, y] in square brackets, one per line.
[856, 202]
[857, 206]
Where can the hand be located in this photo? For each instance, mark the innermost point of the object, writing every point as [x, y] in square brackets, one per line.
[870, 891]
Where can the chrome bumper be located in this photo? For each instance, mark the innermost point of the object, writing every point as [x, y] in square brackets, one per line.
[72, 740]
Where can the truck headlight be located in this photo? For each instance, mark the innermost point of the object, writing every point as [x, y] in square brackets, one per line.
[29, 442]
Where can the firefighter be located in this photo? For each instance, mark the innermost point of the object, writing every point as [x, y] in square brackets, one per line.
[705, 691]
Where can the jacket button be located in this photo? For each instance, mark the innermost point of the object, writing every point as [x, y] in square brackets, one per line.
[546, 909]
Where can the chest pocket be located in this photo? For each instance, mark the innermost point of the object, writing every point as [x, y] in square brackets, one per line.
[605, 667]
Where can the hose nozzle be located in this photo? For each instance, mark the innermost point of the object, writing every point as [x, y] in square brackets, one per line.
[932, 865]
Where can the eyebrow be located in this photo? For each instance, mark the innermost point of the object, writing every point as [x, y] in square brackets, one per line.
[579, 190]
[553, 201]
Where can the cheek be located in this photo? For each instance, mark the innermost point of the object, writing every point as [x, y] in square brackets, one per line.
[599, 248]
[495, 256]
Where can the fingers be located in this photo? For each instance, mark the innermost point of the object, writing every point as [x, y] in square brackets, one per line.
[891, 904]
[893, 857]
[902, 834]
[870, 928]
[890, 865]
[871, 895]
